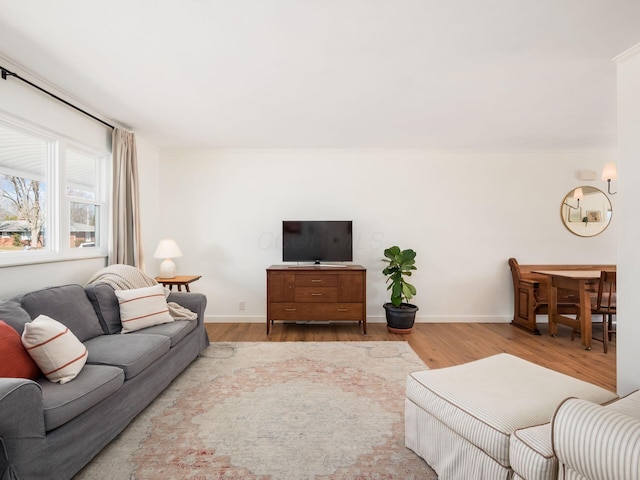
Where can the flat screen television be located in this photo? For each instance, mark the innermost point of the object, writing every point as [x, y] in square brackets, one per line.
[317, 241]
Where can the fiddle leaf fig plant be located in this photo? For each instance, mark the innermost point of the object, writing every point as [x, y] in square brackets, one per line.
[401, 263]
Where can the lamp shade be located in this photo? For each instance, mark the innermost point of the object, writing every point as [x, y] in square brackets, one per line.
[167, 248]
[578, 194]
[609, 172]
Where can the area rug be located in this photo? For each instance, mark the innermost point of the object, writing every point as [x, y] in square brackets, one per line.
[286, 410]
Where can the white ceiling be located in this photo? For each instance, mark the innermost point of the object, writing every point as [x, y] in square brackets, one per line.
[463, 74]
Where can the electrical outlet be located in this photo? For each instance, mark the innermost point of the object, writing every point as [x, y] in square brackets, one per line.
[241, 305]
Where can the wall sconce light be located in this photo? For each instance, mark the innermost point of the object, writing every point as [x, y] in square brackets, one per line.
[577, 195]
[609, 172]
[167, 249]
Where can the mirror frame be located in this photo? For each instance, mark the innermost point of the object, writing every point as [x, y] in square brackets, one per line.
[576, 218]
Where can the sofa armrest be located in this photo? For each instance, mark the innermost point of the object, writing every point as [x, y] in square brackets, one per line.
[596, 442]
[21, 412]
[196, 302]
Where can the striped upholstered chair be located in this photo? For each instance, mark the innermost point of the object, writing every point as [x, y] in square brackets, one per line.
[595, 442]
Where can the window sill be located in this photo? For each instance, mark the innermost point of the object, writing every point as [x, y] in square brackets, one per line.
[37, 258]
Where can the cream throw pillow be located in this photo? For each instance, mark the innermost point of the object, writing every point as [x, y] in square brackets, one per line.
[142, 307]
[56, 351]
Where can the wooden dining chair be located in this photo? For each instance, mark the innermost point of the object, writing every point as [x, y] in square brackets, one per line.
[606, 305]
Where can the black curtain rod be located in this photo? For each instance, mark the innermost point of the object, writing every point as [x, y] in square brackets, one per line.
[6, 73]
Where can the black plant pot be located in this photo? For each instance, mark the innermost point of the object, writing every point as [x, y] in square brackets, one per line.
[400, 319]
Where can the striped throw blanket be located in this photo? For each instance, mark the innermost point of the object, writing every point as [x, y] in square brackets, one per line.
[126, 277]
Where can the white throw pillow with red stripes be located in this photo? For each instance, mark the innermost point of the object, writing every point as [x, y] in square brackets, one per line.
[142, 307]
[54, 348]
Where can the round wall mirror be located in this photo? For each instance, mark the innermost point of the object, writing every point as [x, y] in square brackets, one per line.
[586, 211]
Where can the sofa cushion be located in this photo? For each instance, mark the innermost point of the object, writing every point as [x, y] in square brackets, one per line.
[69, 305]
[12, 313]
[55, 349]
[629, 405]
[486, 400]
[142, 307]
[16, 362]
[61, 403]
[531, 454]
[131, 353]
[105, 304]
[176, 331]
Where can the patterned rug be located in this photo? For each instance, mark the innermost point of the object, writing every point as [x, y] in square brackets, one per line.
[261, 410]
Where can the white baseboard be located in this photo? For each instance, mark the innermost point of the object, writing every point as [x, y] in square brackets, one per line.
[372, 319]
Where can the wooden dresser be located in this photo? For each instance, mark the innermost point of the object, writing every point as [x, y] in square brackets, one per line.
[316, 293]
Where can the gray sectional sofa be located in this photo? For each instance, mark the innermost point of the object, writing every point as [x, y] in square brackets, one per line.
[50, 430]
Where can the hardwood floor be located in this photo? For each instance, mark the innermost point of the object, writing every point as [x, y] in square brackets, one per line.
[446, 344]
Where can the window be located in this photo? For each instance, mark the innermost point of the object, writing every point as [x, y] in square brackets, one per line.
[52, 196]
[82, 193]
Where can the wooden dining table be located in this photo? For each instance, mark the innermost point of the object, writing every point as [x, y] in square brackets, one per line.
[581, 283]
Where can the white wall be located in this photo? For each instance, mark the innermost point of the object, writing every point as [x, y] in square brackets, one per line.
[25, 278]
[464, 213]
[628, 358]
[151, 217]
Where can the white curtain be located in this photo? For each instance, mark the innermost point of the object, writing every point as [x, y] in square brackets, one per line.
[126, 247]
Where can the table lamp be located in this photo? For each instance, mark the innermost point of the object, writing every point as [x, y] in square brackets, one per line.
[167, 249]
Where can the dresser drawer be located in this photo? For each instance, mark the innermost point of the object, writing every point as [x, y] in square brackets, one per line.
[316, 280]
[316, 294]
[311, 311]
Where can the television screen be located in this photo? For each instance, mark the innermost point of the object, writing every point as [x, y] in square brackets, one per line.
[317, 241]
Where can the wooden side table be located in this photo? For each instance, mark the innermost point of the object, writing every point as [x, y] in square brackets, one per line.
[179, 281]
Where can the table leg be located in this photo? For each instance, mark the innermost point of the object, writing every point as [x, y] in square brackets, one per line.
[585, 317]
[187, 288]
[553, 309]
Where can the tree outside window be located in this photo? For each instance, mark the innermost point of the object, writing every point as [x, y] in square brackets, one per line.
[24, 200]
[23, 189]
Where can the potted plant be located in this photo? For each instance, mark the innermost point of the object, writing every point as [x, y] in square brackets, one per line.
[400, 314]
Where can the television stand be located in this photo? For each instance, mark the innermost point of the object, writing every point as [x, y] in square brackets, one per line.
[334, 293]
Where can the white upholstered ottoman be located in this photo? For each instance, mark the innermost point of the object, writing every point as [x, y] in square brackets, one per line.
[460, 419]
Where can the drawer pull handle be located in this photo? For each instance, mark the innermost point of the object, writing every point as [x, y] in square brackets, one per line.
[290, 309]
[316, 294]
[343, 309]
[316, 281]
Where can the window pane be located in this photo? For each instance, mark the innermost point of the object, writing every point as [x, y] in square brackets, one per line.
[82, 172]
[82, 228]
[22, 190]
